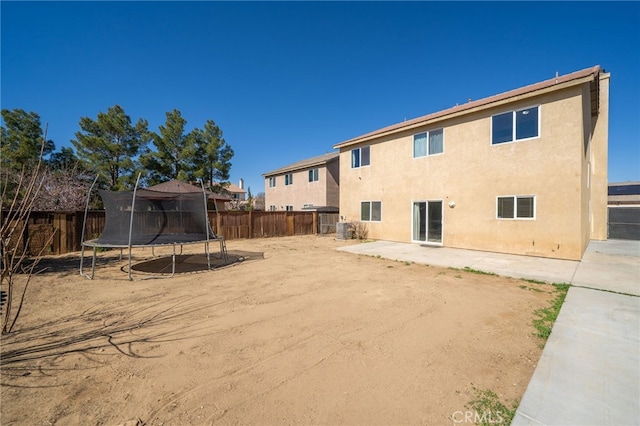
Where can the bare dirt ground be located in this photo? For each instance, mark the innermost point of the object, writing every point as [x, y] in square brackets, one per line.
[298, 333]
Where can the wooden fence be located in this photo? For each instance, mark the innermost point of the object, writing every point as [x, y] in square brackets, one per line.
[60, 233]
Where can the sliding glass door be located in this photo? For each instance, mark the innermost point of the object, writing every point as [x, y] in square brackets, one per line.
[427, 221]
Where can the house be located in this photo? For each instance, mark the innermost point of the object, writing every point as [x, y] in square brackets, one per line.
[236, 192]
[624, 211]
[521, 172]
[624, 194]
[215, 202]
[308, 184]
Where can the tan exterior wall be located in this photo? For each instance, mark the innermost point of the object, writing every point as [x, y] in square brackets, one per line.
[599, 164]
[333, 184]
[301, 191]
[473, 173]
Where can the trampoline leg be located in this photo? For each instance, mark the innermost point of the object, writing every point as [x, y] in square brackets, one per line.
[93, 263]
[206, 250]
[81, 260]
[173, 260]
[130, 277]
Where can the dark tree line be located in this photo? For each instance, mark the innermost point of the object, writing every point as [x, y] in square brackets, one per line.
[117, 150]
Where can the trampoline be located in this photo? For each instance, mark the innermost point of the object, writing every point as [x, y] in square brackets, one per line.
[149, 218]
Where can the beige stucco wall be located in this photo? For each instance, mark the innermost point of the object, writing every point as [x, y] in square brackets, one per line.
[300, 192]
[599, 164]
[333, 183]
[473, 173]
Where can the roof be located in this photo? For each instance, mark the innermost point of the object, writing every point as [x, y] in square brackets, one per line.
[624, 193]
[320, 160]
[177, 186]
[555, 83]
[232, 187]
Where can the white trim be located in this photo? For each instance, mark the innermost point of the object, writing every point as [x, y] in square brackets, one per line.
[370, 210]
[515, 207]
[360, 156]
[427, 242]
[426, 133]
[513, 124]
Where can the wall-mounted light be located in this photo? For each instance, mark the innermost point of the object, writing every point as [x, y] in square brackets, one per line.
[452, 204]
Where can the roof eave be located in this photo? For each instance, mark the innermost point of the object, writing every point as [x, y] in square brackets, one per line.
[469, 108]
[298, 168]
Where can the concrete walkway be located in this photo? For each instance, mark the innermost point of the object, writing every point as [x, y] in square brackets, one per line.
[589, 371]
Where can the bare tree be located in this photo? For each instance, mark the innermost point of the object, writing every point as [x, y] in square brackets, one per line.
[19, 194]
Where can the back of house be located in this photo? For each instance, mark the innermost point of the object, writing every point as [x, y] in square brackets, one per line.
[522, 172]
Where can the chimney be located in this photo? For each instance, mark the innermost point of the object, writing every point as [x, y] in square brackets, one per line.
[241, 184]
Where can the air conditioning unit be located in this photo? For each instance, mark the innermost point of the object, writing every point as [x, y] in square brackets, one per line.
[343, 231]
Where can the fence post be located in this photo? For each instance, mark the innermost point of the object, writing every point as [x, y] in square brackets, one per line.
[315, 222]
[290, 223]
[57, 232]
[250, 224]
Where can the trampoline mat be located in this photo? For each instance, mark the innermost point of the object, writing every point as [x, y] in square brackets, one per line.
[189, 263]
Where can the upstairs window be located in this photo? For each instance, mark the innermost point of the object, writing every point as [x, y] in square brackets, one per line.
[516, 207]
[272, 182]
[313, 175]
[360, 157]
[288, 179]
[515, 125]
[428, 143]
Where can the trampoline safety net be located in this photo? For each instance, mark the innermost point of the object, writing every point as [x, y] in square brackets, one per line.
[159, 218]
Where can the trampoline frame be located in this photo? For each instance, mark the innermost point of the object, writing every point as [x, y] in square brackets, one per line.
[94, 244]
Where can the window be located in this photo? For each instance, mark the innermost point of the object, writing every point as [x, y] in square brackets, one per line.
[272, 208]
[272, 182]
[289, 208]
[313, 175]
[515, 125]
[516, 207]
[307, 206]
[360, 157]
[288, 179]
[371, 211]
[433, 140]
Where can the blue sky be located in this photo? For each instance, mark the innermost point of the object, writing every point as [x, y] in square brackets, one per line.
[286, 81]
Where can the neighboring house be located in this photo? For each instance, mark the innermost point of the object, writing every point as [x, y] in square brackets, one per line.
[308, 184]
[624, 211]
[624, 194]
[215, 202]
[237, 192]
[522, 172]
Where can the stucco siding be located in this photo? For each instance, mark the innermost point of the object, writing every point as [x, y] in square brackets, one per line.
[599, 164]
[333, 184]
[301, 192]
[472, 173]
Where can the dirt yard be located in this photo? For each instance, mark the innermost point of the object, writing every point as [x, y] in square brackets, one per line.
[297, 333]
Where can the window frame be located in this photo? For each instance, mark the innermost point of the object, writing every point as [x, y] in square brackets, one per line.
[427, 145]
[272, 182]
[314, 175]
[288, 179]
[359, 151]
[515, 199]
[371, 215]
[514, 125]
